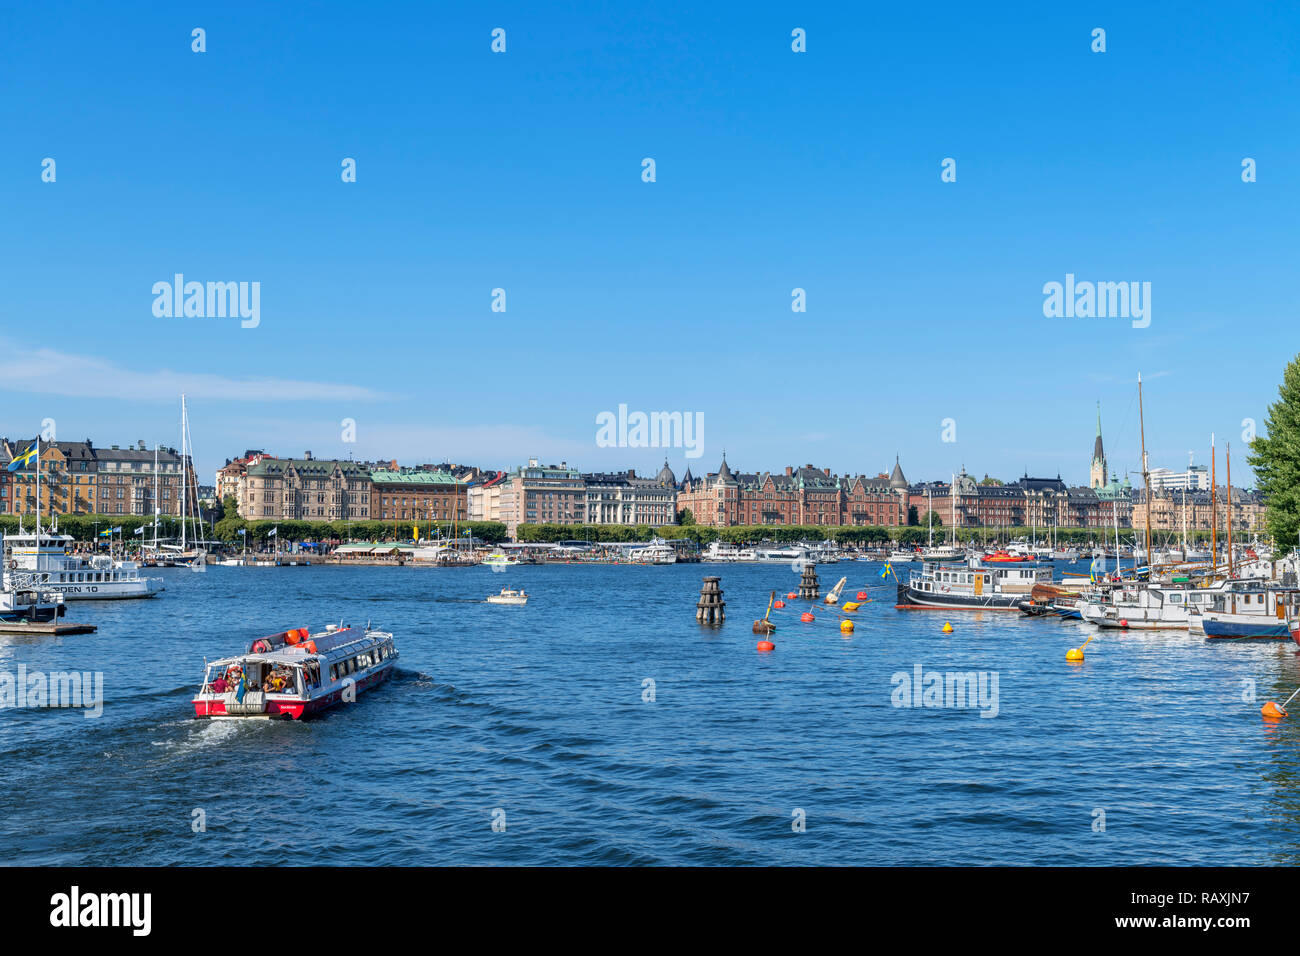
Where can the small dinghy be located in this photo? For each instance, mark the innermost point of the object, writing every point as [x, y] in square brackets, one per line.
[508, 596]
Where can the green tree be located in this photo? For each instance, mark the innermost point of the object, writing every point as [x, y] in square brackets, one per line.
[1275, 457]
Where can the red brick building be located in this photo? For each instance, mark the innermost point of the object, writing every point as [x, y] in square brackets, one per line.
[800, 496]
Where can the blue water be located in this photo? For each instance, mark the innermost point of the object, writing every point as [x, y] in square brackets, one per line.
[538, 713]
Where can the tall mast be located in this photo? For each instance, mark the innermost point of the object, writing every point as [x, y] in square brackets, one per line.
[38, 490]
[1227, 457]
[952, 500]
[1214, 508]
[929, 514]
[184, 489]
[1146, 475]
[155, 496]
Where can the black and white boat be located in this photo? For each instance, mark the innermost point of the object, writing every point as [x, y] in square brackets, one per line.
[970, 587]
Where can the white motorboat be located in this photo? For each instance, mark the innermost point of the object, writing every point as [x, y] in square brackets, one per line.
[721, 551]
[508, 596]
[658, 551]
[499, 559]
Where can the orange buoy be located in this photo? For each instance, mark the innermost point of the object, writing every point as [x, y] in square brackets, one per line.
[766, 646]
[807, 617]
[778, 604]
[862, 595]
[791, 596]
[310, 646]
[1278, 711]
[292, 637]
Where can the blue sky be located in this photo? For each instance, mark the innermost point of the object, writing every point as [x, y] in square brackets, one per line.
[775, 170]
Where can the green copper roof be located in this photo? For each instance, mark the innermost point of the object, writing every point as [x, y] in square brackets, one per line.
[414, 478]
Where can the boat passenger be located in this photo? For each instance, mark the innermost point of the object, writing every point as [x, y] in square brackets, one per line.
[219, 686]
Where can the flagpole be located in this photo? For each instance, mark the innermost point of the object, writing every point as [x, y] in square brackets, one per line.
[38, 490]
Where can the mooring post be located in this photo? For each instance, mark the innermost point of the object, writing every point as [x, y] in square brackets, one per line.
[808, 584]
[711, 609]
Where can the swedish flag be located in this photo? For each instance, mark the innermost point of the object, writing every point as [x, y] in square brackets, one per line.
[887, 570]
[20, 461]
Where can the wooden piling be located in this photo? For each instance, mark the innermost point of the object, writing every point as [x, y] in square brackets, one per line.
[808, 585]
[711, 609]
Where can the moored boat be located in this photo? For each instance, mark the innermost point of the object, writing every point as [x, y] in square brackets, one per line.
[508, 596]
[1248, 610]
[294, 674]
[973, 588]
[43, 560]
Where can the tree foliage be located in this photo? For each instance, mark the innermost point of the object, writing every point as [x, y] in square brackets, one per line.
[1275, 458]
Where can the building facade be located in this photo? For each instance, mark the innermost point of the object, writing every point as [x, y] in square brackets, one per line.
[79, 478]
[305, 488]
[417, 495]
[543, 494]
[799, 496]
[623, 498]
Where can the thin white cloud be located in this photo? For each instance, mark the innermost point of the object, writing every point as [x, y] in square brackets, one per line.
[51, 372]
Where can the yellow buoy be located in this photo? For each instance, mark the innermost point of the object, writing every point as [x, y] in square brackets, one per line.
[947, 627]
[1076, 653]
[851, 606]
[846, 627]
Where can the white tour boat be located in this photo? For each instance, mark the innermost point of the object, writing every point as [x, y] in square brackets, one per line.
[294, 674]
[42, 560]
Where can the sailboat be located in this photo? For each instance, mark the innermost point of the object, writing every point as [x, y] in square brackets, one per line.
[195, 560]
[945, 552]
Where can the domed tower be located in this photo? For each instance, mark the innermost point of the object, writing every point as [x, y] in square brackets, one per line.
[666, 476]
[1097, 474]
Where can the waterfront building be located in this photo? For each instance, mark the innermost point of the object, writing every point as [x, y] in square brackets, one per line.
[543, 494]
[305, 489]
[623, 498]
[484, 496]
[79, 478]
[126, 481]
[1170, 508]
[799, 496]
[230, 475]
[417, 494]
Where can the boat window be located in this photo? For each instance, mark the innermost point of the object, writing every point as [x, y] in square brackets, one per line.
[1175, 599]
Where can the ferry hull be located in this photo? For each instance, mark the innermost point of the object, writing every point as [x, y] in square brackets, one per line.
[910, 599]
[288, 708]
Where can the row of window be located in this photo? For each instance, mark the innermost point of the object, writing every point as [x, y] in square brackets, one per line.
[360, 662]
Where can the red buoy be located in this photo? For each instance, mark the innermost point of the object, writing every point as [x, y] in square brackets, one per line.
[862, 595]
[791, 596]
[766, 646]
[807, 617]
[1123, 623]
[778, 604]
